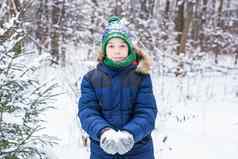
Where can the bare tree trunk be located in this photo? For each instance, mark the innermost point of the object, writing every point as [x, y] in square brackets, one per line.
[229, 12]
[228, 6]
[147, 7]
[216, 54]
[156, 9]
[220, 9]
[39, 28]
[196, 22]
[212, 13]
[179, 24]
[54, 35]
[14, 7]
[46, 41]
[144, 9]
[62, 36]
[203, 22]
[151, 6]
[42, 25]
[204, 11]
[143, 5]
[236, 56]
[118, 8]
[132, 10]
[167, 7]
[186, 27]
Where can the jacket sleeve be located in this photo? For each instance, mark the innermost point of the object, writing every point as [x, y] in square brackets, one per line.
[91, 120]
[145, 111]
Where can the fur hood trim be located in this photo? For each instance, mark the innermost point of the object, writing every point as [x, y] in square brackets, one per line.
[144, 64]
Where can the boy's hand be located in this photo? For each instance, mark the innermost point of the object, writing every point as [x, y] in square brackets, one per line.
[108, 141]
[112, 141]
[125, 142]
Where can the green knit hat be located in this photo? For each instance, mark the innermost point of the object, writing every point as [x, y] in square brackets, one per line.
[116, 29]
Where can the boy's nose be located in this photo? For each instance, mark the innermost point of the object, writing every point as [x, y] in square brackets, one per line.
[117, 50]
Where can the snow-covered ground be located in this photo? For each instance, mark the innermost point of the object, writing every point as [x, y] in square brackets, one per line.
[211, 134]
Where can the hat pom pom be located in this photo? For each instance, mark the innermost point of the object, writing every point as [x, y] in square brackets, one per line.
[114, 19]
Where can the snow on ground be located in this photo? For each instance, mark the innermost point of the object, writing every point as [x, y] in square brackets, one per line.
[210, 135]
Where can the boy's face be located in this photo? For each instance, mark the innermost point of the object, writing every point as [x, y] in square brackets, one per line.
[117, 49]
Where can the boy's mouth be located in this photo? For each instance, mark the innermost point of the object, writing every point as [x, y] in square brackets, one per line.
[118, 58]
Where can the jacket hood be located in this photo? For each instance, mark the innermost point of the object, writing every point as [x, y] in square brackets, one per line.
[144, 62]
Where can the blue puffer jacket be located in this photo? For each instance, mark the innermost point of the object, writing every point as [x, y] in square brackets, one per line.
[120, 99]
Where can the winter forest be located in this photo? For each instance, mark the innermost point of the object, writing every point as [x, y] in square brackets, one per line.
[46, 46]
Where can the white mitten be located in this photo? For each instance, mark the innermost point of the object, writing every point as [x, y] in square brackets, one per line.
[108, 141]
[125, 142]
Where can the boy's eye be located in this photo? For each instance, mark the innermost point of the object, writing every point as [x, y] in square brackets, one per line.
[111, 46]
[122, 46]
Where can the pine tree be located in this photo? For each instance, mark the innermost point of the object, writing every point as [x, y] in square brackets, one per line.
[23, 99]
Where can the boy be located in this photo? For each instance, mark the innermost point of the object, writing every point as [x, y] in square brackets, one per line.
[117, 107]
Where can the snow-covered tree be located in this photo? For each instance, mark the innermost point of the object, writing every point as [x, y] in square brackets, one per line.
[23, 99]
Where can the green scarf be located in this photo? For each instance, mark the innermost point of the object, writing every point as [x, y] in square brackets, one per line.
[120, 64]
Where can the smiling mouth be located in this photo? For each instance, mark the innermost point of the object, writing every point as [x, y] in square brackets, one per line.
[118, 58]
